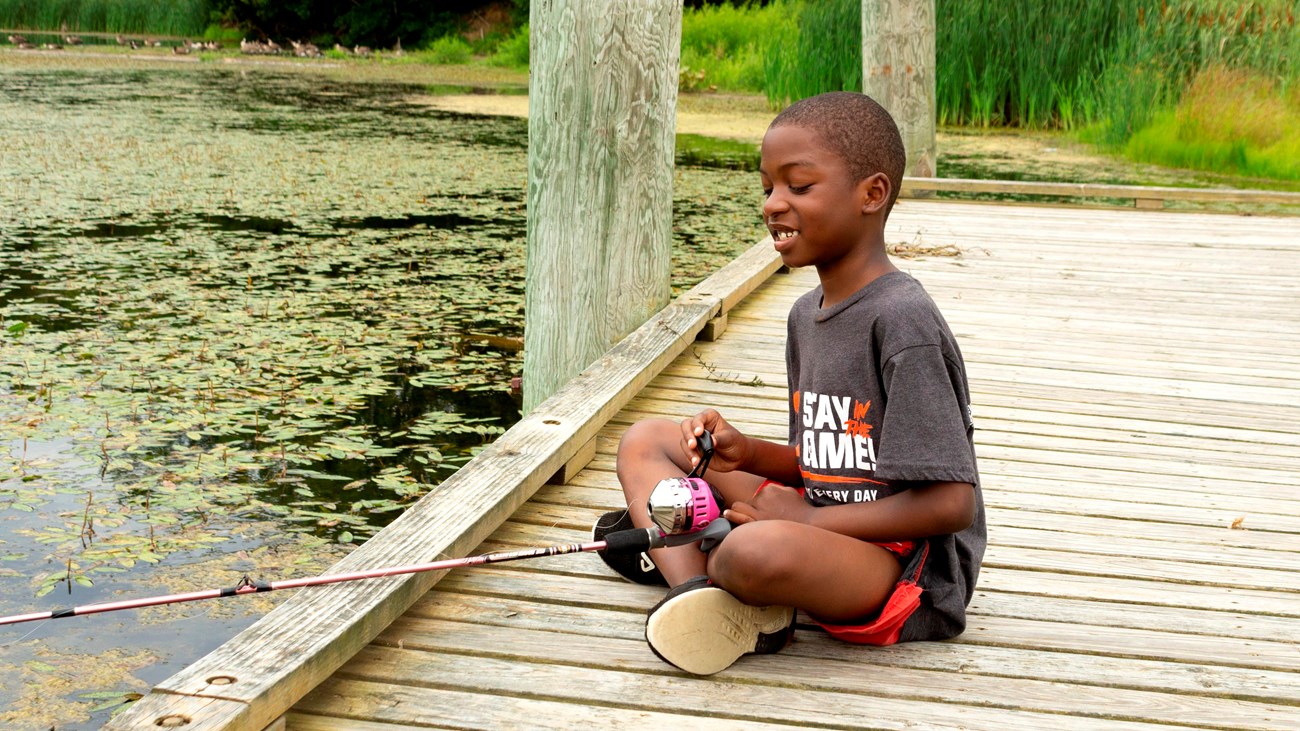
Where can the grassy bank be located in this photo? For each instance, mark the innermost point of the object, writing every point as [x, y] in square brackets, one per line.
[1206, 84]
[1209, 84]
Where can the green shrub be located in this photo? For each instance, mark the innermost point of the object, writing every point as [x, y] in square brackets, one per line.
[513, 51]
[215, 32]
[449, 50]
[729, 43]
[1228, 120]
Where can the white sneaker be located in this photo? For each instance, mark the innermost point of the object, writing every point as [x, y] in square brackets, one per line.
[703, 629]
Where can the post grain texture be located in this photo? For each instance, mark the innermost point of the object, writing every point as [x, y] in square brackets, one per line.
[898, 60]
[602, 114]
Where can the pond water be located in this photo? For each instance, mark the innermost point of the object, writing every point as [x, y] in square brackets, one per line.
[245, 318]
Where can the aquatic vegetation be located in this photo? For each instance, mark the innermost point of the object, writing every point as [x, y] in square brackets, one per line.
[246, 318]
[232, 329]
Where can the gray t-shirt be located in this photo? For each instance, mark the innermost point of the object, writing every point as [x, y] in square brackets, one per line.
[878, 402]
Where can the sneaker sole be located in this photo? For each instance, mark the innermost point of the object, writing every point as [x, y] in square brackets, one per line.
[705, 631]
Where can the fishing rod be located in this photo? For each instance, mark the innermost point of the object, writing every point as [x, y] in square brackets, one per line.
[632, 540]
[684, 510]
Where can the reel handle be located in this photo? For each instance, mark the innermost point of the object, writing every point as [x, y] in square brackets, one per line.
[706, 454]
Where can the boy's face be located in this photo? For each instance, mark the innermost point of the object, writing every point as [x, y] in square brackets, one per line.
[813, 207]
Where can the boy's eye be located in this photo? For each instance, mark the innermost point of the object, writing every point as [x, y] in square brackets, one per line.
[800, 189]
[767, 192]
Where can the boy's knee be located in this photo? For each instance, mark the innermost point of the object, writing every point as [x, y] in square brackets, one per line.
[645, 455]
[745, 564]
[647, 438]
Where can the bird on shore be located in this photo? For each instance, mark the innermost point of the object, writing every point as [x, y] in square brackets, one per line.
[305, 50]
[17, 39]
[72, 40]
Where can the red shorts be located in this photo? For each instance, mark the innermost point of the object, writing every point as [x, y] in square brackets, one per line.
[885, 627]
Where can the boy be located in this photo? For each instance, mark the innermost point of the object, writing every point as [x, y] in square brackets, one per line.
[870, 520]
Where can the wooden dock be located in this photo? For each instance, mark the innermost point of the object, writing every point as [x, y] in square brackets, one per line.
[1135, 378]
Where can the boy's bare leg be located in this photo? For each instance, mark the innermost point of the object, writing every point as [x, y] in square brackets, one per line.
[830, 576]
[651, 451]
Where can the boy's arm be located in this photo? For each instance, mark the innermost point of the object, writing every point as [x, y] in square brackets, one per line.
[777, 462]
[928, 509]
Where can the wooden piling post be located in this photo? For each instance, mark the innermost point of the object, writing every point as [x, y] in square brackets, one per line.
[898, 70]
[601, 121]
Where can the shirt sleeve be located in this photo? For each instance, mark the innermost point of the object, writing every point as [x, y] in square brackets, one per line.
[926, 432]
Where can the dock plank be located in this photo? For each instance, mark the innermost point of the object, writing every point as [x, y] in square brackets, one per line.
[1130, 412]
[1138, 426]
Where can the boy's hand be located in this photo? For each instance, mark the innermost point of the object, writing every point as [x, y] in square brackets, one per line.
[730, 447]
[773, 502]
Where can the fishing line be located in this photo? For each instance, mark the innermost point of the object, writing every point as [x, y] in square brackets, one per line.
[685, 510]
[634, 540]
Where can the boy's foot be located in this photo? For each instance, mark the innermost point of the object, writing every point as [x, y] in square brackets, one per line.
[637, 568]
[703, 629]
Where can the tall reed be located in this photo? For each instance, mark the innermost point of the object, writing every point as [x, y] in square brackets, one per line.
[730, 42]
[1077, 62]
[1022, 62]
[824, 55]
[161, 17]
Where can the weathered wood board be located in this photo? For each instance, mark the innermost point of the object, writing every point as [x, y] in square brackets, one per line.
[1135, 385]
[1138, 426]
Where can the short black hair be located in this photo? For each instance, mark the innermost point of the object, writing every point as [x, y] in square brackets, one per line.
[857, 129]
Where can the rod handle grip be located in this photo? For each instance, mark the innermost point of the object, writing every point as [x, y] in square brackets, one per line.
[633, 540]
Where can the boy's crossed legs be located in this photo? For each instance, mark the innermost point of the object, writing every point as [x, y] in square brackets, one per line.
[756, 576]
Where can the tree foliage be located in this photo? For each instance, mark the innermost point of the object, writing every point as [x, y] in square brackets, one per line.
[378, 23]
[368, 22]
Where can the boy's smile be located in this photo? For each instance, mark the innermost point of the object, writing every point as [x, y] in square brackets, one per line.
[815, 210]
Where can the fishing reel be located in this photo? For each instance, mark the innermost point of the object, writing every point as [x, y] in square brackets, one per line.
[683, 505]
[686, 504]
[683, 509]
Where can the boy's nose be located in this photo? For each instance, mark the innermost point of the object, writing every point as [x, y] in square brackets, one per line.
[774, 204]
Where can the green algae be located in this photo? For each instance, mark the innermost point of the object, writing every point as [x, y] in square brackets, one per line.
[246, 318]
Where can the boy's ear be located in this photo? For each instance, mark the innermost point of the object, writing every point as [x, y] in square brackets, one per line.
[875, 190]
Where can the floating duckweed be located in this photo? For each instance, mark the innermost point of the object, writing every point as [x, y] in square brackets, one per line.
[247, 319]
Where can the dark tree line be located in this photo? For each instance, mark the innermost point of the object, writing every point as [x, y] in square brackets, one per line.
[377, 23]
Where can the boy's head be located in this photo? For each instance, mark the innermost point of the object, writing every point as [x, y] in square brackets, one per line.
[857, 130]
